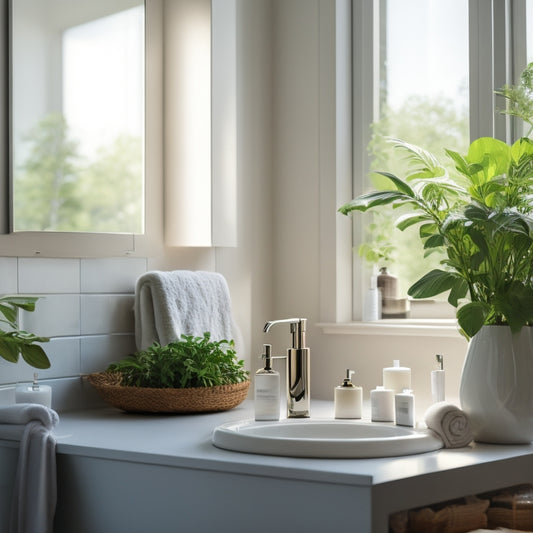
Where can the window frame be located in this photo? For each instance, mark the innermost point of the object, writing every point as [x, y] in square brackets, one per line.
[497, 52]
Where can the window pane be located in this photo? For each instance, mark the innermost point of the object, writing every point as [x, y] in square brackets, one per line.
[423, 100]
[529, 31]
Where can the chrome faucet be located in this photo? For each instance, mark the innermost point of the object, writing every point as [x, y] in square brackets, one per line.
[298, 398]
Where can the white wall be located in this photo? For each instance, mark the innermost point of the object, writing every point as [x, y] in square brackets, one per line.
[298, 125]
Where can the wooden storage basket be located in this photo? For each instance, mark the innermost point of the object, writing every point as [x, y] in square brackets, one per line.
[148, 400]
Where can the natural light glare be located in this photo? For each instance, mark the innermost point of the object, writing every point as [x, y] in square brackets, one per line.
[102, 76]
[426, 52]
[78, 141]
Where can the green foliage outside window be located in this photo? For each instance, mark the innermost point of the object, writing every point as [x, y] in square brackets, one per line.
[429, 122]
[56, 189]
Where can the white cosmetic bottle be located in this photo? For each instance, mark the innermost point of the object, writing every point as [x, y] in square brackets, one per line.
[382, 404]
[397, 377]
[372, 303]
[348, 398]
[34, 393]
[405, 408]
[437, 381]
[267, 389]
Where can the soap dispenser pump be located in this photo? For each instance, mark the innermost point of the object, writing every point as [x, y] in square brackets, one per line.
[267, 389]
[348, 398]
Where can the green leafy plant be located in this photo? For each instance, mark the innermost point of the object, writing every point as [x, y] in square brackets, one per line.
[15, 342]
[189, 362]
[519, 98]
[481, 216]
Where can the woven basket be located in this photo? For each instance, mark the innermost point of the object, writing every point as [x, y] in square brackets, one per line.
[148, 400]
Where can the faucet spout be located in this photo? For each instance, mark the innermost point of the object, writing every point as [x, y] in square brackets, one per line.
[298, 363]
[291, 321]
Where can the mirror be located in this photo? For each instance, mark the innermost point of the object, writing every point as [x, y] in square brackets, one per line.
[77, 123]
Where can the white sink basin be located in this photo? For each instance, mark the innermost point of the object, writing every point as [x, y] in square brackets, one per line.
[324, 438]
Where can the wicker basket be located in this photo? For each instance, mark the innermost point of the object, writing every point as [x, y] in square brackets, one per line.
[148, 400]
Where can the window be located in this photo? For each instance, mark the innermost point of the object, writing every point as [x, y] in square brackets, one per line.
[425, 72]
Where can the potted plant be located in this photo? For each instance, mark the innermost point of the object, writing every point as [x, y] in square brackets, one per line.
[15, 342]
[193, 374]
[481, 217]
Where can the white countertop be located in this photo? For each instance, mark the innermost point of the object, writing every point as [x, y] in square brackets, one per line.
[185, 441]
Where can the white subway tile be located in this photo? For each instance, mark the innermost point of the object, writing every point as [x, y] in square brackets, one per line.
[99, 350]
[43, 275]
[111, 275]
[8, 275]
[55, 315]
[64, 355]
[7, 396]
[69, 394]
[106, 313]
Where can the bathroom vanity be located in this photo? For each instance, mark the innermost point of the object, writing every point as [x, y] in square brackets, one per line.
[121, 472]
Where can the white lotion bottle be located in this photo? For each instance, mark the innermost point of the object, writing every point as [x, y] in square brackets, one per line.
[34, 393]
[267, 389]
[348, 398]
[372, 303]
[405, 408]
[382, 404]
[397, 377]
[437, 381]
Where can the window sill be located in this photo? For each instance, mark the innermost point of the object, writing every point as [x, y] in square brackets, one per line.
[409, 327]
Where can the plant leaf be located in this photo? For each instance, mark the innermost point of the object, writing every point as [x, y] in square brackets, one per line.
[458, 291]
[35, 356]
[400, 184]
[409, 219]
[471, 317]
[434, 241]
[373, 199]
[8, 350]
[433, 283]
[517, 305]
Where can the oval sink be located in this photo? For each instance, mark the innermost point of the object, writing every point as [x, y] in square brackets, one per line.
[324, 438]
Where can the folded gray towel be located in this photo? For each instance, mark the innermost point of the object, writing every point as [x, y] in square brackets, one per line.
[169, 304]
[35, 490]
[450, 423]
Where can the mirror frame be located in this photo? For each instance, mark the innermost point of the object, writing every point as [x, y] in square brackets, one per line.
[65, 244]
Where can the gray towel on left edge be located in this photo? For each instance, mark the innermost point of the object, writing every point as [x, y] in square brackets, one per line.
[169, 304]
[35, 490]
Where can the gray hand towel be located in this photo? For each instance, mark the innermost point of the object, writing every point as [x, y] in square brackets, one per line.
[35, 490]
[169, 304]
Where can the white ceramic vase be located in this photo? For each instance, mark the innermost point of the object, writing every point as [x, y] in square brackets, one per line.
[497, 385]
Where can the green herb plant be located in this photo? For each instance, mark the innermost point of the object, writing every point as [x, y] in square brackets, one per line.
[189, 362]
[15, 342]
[480, 215]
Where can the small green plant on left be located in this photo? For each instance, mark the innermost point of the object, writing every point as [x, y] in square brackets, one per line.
[15, 342]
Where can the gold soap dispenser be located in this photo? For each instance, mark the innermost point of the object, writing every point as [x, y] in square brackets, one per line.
[348, 398]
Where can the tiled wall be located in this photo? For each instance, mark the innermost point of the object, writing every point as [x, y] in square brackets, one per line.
[87, 311]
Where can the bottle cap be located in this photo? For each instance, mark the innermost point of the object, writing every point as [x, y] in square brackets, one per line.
[267, 356]
[347, 381]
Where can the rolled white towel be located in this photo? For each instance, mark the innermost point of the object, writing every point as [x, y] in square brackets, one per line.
[450, 423]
